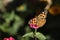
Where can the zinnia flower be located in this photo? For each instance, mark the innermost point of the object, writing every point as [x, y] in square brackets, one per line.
[10, 38]
[34, 26]
[32, 23]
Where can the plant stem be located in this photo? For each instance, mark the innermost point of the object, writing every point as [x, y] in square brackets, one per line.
[35, 33]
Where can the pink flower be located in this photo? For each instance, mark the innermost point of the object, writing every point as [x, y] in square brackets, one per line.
[33, 23]
[34, 26]
[6, 39]
[10, 38]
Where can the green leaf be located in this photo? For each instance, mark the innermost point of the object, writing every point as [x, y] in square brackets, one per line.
[8, 17]
[11, 17]
[31, 34]
[40, 36]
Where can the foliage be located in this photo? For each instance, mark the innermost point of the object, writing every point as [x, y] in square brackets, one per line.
[8, 18]
[39, 35]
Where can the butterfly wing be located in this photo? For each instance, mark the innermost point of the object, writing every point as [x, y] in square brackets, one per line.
[39, 20]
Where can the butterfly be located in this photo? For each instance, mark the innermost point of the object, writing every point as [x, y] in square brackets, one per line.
[39, 20]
